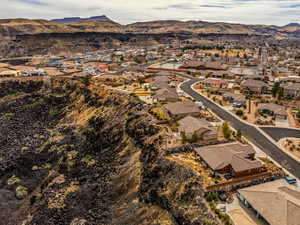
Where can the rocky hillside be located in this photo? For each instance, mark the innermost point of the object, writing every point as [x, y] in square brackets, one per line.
[13, 27]
[73, 152]
[104, 24]
[19, 37]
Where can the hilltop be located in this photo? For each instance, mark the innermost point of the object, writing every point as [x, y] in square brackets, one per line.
[29, 37]
[104, 24]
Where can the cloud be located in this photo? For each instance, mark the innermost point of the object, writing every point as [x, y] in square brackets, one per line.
[294, 6]
[278, 12]
[33, 2]
[213, 6]
[189, 6]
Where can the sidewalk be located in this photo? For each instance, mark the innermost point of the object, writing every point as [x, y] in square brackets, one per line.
[258, 128]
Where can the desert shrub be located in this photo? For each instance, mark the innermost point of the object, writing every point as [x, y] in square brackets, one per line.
[239, 112]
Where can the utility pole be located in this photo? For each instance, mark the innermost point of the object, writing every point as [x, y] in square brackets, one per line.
[249, 105]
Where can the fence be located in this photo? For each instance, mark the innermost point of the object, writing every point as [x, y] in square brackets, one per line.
[243, 182]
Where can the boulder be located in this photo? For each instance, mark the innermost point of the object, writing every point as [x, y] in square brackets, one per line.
[21, 192]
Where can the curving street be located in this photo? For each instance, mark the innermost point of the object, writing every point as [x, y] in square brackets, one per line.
[278, 133]
[252, 133]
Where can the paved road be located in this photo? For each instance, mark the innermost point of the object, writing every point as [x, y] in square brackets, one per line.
[278, 133]
[250, 132]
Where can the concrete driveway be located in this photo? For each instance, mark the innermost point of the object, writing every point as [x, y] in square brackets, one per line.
[282, 123]
[240, 215]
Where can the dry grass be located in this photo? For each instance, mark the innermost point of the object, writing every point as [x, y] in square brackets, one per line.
[58, 201]
[191, 160]
[161, 113]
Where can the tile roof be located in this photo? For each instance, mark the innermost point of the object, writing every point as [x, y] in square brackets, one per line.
[234, 154]
[166, 93]
[184, 107]
[214, 81]
[235, 97]
[204, 65]
[278, 202]
[191, 124]
[293, 87]
[277, 109]
[253, 83]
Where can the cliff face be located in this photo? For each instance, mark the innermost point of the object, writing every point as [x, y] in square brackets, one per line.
[77, 154]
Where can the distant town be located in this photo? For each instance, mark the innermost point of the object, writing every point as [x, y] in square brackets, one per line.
[228, 112]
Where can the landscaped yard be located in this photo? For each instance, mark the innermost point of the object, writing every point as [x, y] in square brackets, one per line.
[271, 167]
[291, 145]
[191, 160]
[160, 114]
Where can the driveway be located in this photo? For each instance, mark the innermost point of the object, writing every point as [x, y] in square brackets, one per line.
[252, 133]
[282, 123]
[240, 215]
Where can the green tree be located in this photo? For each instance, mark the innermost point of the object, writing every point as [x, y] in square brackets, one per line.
[298, 114]
[275, 89]
[183, 137]
[280, 93]
[194, 138]
[238, 134]
[86, 80]
[212, 197]
[239, 112]
[226, 130]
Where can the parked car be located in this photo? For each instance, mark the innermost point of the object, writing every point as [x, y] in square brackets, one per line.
[237, 105]
[200, 105]
[290, 180]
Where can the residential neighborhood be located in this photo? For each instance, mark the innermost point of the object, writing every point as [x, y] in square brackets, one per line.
[213, 109]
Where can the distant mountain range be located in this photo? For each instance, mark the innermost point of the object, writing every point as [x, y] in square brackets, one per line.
[12, 27]
[102, 18]
[293, 25]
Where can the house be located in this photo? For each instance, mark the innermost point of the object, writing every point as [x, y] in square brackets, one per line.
[292, 90]
[276, 202]
[222, 74]
[237, 99]
[9, 73]
[103, 68]
[214, 83]
[166, 95]
[133, 76]
[290, 79]
[163, 73]
[181, 109]
[200, 127]
[273, 109]
[244, 71]
[232, 158]
[160, 82]
[254, 86]
[198, 65]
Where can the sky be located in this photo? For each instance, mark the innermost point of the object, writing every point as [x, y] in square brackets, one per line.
[276, 12]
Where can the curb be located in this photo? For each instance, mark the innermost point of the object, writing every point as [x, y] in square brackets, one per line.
[260, 130]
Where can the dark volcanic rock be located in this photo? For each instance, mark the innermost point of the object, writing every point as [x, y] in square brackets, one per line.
[88, 156]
